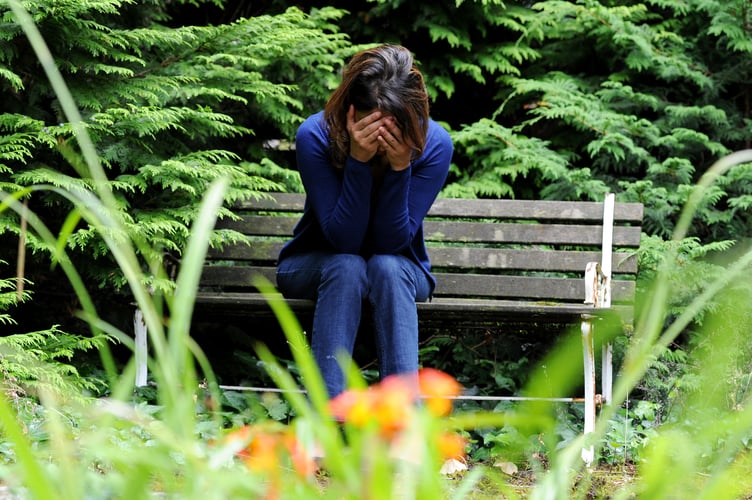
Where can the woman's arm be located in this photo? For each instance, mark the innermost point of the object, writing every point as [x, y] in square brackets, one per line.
[340, 200]
[406, 196]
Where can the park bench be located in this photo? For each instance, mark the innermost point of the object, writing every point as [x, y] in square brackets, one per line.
[539, 262]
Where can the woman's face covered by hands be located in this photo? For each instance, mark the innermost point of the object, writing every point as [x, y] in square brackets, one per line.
[373, 133]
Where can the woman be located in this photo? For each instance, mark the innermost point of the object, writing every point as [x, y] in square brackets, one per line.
[372, 163]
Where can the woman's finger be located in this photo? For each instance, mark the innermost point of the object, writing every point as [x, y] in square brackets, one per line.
[351, 117]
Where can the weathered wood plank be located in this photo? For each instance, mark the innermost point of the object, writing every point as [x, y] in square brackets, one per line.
[492, 259]
[234, 277]
[449, 284]
[462, 258]
[469, 312]
[278, 202]
[455, 231]
[534, 209]
[523, 287]
[455, 207]
[262, 225]
[508, 233]
[265, 251]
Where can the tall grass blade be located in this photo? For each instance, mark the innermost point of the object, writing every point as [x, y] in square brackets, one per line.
[181, 347]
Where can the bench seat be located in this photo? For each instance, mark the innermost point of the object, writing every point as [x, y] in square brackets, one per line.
[478, 311]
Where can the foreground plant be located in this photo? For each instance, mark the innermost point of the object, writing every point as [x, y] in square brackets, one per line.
[391, 428]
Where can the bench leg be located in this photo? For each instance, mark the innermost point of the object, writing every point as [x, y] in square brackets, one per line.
[140, 350]
[589, 365]
[607, 373]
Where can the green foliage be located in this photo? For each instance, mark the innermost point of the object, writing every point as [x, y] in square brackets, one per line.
[673, 375]
[480, 363]
[8, 297]
[629, 431]
[169, 110]
[649, 118]
[461, 41]
[697, 270]
[39, 363]
[529, 163]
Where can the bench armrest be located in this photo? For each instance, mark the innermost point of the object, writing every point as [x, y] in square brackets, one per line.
[597, 286]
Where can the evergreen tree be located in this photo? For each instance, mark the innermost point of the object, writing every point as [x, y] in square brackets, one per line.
[169, 109]
[555, 99]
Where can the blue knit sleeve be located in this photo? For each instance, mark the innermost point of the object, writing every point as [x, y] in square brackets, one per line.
[406, 196]
[339, 198]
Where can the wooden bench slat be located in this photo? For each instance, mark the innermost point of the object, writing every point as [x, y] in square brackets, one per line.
[478, 308]
[525, 259]
[463, 258]
[454, 231]
[236, 276]
[260, 225]
[449, 284]
[533, 209]
[259, 251]
[455, 207]
[523, 287]
[509, 233]
[278, 202]
[465, 312]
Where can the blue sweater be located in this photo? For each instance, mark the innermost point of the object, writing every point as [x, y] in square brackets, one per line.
[348, 211]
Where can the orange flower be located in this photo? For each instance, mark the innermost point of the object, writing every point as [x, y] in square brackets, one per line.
[393, 400]
[451, 445]
[264, 453]
[242, 434]
[302, 461]
[387, 405]
[352, 406]
[437, 389]
[266, 448]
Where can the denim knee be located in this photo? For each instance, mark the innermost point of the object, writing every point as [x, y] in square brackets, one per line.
[385, 268]
[347, 272]
[389, 273]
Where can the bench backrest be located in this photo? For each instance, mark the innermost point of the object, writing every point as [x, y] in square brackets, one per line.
[492, 249]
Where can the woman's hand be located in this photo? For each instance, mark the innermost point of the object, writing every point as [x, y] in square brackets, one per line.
[364, 134]
[397, 152]
[375, 133]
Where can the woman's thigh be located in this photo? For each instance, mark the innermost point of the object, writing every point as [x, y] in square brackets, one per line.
[389, 273]
[300, 276]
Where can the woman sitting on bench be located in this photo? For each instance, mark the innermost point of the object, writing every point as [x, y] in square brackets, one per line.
[372, 163]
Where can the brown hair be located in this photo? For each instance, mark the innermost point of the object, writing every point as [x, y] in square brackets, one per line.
[384, 78]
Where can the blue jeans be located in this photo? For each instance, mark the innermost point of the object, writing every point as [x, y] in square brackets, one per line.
[340, 283]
